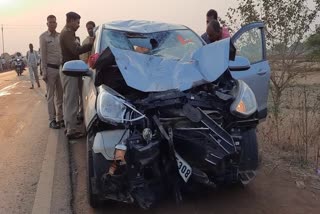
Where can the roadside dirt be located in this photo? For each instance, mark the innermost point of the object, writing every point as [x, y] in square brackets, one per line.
[277, 189]
[312, 78]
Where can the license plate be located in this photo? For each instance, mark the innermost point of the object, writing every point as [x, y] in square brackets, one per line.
[184, 168]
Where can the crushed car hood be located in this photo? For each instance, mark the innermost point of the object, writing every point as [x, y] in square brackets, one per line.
[149, 73]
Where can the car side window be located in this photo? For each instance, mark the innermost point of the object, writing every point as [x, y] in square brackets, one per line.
[250, 45]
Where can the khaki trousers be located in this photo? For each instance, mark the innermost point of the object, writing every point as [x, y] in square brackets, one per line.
[71, 101]
[54, 90]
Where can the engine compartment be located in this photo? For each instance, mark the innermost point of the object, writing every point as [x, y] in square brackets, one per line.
[195, 123]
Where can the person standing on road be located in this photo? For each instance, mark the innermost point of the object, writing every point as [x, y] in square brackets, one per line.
[40, 68]
[32, 61]
[90, 27]
[213, 15]
[50, 64]
[71, 51]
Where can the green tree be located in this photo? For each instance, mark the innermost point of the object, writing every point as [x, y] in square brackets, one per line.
[286, 24]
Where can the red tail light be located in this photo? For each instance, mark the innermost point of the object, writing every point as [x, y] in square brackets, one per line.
[92, 59]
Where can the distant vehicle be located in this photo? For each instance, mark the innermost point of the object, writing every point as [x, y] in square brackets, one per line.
[19, 66]
[165, 113]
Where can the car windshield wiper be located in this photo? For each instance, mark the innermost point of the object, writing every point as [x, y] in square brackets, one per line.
[136, 35]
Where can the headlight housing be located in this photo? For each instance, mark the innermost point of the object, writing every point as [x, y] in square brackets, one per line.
[245, 103]
[113, 108]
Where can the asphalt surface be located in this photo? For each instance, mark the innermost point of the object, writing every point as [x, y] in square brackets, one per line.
[31, 153]
[35, 171]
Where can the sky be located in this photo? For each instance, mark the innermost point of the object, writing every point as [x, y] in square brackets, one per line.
[24, 20]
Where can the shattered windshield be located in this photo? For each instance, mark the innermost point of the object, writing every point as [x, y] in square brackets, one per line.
[174, 44]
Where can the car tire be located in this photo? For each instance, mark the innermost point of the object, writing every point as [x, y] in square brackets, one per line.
[249, 159]
[93, 198]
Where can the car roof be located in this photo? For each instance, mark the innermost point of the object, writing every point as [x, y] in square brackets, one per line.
[142, 26]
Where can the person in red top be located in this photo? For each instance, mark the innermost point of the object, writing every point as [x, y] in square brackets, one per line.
[215, 32]
[213, 15]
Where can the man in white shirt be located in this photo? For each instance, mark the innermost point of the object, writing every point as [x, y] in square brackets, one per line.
[32, 60]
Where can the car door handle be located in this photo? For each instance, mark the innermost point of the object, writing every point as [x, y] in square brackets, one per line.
[262, 72]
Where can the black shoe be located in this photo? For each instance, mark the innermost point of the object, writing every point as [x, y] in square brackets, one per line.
[61, 123]
[54, 125]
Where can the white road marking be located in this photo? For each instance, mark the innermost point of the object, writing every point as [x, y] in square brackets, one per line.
[5, 90]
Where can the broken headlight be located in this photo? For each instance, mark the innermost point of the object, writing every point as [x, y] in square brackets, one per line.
[113, 108]
[245, 103]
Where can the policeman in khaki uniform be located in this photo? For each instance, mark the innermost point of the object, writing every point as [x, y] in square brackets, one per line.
[50, 63]
[71, 50]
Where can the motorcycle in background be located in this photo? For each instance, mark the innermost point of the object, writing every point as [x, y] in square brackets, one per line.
[19, 66]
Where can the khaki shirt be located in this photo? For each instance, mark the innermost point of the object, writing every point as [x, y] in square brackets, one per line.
[70, 48]
[50, 50]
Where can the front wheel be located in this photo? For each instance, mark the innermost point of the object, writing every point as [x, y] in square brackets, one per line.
[249, 159]
[93, 198]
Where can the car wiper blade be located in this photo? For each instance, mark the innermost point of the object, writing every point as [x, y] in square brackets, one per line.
[136, 35]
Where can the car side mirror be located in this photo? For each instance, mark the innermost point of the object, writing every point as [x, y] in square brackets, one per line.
[76, 68]
[239, 64]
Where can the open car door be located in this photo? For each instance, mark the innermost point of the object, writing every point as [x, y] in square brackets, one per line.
[250, 43]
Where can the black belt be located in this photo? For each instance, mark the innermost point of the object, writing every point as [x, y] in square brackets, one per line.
[53, 66]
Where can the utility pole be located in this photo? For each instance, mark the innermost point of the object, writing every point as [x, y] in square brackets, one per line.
[2, 39]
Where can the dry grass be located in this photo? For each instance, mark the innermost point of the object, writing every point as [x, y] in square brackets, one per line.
[299, 130]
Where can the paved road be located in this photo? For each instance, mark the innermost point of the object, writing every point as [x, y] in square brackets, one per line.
[28, 151]
[274, 191]
[34, 170]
